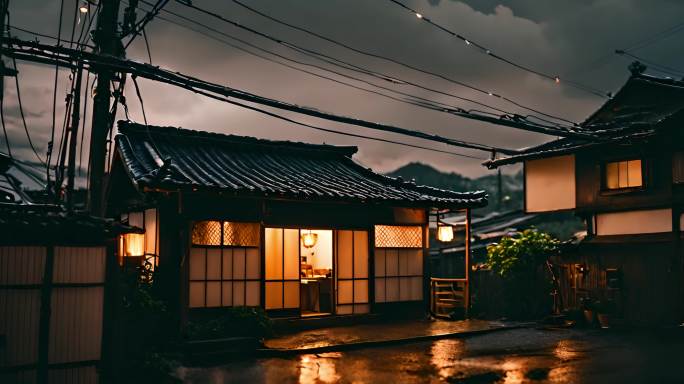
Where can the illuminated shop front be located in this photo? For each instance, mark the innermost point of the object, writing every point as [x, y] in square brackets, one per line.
[300, 230]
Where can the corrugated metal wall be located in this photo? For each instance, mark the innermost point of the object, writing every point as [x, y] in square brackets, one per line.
[74, 341]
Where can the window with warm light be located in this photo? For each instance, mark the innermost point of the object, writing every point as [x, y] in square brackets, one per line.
[623, 174]
[225, 265]
[142, 246]
[398, 263]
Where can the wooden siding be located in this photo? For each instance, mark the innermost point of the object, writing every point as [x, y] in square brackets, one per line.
[21, 272]
[76, 292]
[646, 291]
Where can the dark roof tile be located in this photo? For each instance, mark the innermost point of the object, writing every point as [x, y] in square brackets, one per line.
[175, 158]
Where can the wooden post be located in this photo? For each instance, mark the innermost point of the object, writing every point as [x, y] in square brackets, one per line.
[467, 263]
[45, 312]
[107, 40]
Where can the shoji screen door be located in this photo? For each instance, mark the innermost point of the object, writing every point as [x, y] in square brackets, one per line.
[351, 272]
[282, 268]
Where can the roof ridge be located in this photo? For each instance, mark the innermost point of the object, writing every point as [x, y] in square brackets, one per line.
[127, 127]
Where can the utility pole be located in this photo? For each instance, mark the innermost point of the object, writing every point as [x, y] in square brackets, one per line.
[73, 137]
[108, 42]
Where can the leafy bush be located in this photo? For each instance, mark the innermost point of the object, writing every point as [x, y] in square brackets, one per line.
[520, 260]
[237, 321]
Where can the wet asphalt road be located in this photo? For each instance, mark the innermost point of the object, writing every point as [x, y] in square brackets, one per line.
[516, 356]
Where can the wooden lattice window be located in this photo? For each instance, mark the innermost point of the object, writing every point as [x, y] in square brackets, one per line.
[225, 264]
[398, 263]
[396, 236]
[227, 233]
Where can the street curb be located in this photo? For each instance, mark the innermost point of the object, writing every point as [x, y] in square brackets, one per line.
[282, 352]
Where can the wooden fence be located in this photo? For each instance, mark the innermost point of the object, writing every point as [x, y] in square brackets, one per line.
[51, 313]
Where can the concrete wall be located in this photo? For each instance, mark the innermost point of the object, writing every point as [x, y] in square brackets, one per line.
[550, 184]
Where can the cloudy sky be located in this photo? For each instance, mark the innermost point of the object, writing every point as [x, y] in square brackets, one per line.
[572, 38]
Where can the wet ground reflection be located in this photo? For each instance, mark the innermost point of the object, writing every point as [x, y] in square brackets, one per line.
[523, 356]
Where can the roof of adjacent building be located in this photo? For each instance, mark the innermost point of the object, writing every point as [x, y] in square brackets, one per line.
[632, 115]
[50, 224]
[168, 158]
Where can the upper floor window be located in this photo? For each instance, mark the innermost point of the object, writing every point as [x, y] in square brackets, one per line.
[624, 174]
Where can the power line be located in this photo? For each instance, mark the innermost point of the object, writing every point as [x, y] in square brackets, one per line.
[482, 49]
[510, 120]
[148, 17]
[353, 67]
[21, 112]
[659, 36]
[21, 106]
[317, 56]
[659, 67]
[377, 56]
[4, 128]
[292, 121]
[429, 104]
[47, 36]
[37, 52]
[54, 98]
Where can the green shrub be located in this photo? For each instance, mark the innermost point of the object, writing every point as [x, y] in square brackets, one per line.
[520, 260]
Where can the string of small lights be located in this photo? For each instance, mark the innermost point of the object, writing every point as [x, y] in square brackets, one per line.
[383, 76]
[350, 66]
[381, 57]
[482, 49]
[433, 105]
[506, 120]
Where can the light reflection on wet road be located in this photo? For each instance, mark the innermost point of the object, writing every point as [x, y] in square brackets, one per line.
[518, 356]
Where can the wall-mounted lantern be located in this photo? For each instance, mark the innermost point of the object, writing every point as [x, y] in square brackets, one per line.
[445, 233]
[132, 245]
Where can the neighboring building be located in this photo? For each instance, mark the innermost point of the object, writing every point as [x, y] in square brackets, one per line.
[628, 186]
[55, 294]
[297, 229]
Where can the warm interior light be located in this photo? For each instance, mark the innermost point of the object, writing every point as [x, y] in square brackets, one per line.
[309, 239]
[83, 9]
[132, 244]
[445, 233]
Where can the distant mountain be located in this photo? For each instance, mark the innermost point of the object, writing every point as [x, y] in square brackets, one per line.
[511, 185]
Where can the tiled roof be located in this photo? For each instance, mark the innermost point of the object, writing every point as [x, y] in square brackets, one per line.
[35, 224]
[174, 158]
[632, 115]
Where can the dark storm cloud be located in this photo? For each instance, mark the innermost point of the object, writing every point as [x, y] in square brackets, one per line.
[563, 36]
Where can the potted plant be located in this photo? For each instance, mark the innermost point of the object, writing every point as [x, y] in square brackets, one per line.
[587, 305]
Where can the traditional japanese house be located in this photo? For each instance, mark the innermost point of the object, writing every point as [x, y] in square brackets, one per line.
[628, 186]
[297, 229]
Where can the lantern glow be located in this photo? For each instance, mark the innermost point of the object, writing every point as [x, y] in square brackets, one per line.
[132, 244]
[445, 233]
[309, 239]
